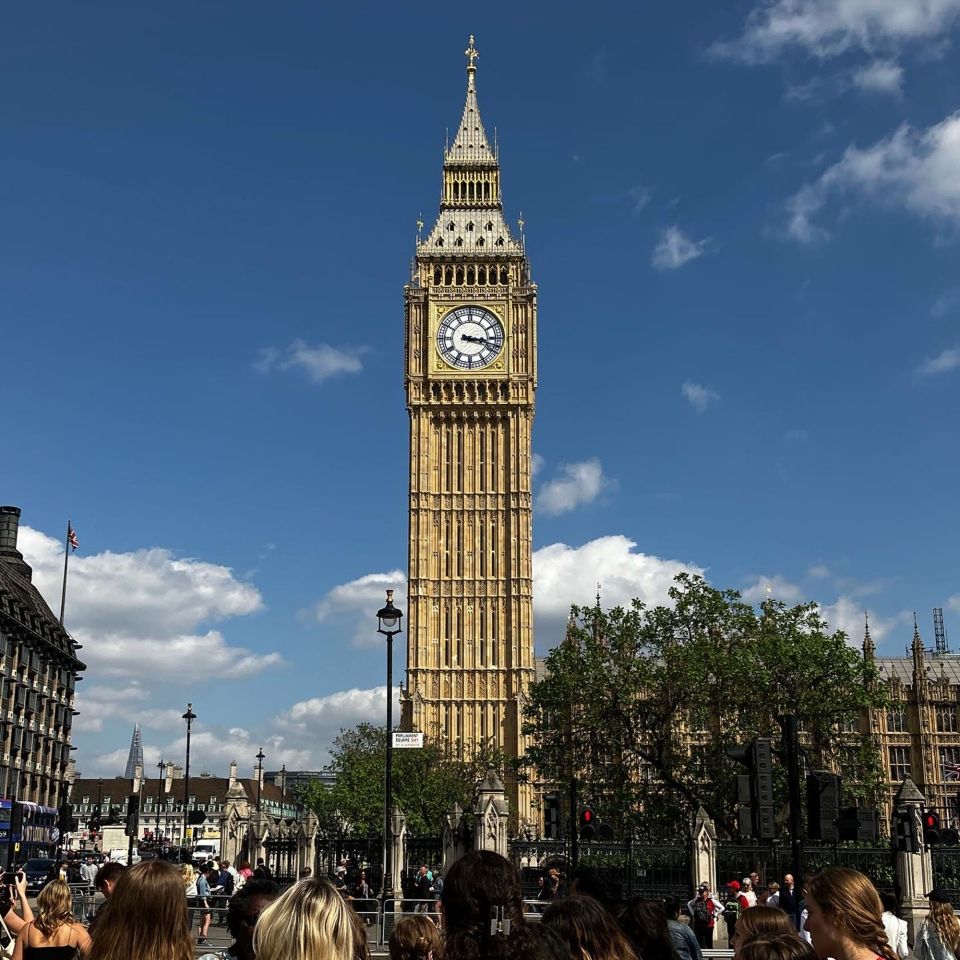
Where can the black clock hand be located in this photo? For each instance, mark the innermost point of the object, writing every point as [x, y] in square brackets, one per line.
[470, 339]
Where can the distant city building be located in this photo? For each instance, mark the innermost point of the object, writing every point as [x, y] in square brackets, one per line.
[39, 669]
[135, 756]
[283, 832]
[293, 781]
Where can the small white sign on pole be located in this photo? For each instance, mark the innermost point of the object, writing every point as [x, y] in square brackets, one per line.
[407, 741]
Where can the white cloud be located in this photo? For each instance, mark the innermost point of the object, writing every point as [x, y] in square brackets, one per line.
[698, 396]
[946, 303]
[639, 197]
[137, 614]
[319, 362]
[772, 588]
[819, 571]
[320, 719]
[536, 464]
[357, 601]
[578, 483]
[675, 248]
[846, 614]
[828, 28]
[944, 362]
[915, 170]
[879, 76]
[565, 575]
[954, 603]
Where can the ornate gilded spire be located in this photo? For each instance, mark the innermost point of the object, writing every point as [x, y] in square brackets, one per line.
[470, 145]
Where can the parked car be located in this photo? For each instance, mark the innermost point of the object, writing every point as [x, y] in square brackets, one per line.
[36, 871]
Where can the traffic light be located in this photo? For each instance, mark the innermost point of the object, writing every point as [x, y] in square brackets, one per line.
[131, 828]
[858, 823]
[931, 827]
[755, 789]
[588, 820]
[16, 821]
[551, 816]
[823, 805]
[906, 834]
[65, 819]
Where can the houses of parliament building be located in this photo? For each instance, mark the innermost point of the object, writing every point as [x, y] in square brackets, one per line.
[918, 733]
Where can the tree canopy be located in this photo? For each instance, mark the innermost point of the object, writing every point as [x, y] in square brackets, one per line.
[639, 704]
[426, 782]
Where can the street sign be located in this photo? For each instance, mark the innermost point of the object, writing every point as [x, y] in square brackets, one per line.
[407, 741]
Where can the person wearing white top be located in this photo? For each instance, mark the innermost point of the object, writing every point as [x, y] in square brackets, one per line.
[748, 897]
[894, 927]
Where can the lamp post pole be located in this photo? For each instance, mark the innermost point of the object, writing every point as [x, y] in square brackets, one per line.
[189, 716]
[160, 779]
[260, 758]
[389, 618]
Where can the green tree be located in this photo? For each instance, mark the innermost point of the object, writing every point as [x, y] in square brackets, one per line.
[426, 782]
[640, 703]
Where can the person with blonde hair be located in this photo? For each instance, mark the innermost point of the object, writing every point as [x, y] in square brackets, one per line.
[53, 934]
[146, 918]
[939, 935]
[757, 922]
[845, 917]
[309, 921]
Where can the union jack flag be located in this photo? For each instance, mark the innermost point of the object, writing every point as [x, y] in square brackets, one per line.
[951, 771]
[74, 542]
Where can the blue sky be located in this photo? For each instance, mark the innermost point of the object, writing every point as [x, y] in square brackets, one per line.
[743, 221]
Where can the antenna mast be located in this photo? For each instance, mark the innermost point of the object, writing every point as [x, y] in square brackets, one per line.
[940, 644]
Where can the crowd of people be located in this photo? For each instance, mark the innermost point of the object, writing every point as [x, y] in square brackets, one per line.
[150, 910]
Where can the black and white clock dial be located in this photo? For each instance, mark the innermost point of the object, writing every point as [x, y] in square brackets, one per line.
[470, 338]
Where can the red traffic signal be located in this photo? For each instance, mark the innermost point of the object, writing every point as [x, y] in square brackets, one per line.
[931, 827]
[588, 823]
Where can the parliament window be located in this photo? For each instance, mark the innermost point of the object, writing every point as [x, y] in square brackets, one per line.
[899, 763]
[896, 720]
[946, 718]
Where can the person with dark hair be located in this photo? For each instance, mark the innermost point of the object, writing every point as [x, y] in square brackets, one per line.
[11, 895]
[759, 922]
[243, 911]
[482, 904]
[589, 930]
[645, 924]
[104, 882]
[414, 938]
[844, 917]
[146, 918]
[686, 944]
[894, 927]
[787, 946]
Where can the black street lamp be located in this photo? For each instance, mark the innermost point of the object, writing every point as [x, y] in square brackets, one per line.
[189, 716]
[160, 779]
[388, 623]
[256, 837]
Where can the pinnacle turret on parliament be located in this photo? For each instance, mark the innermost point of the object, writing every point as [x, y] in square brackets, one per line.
[470, 378]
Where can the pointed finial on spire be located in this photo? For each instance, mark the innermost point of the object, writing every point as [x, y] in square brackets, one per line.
[471, 55]
[598, 595]
[868, 648]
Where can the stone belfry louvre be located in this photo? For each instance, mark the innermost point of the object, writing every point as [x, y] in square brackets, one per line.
[471, 368]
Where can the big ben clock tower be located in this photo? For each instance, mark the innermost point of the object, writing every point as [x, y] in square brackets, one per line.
[471, 354]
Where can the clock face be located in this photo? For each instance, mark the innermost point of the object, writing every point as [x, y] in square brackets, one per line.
[470, 338]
